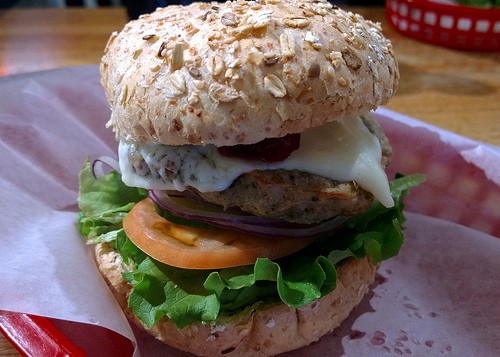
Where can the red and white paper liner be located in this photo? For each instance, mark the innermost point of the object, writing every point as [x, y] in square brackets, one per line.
[463, 176]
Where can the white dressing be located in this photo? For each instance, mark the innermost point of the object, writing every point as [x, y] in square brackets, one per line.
[342, 151]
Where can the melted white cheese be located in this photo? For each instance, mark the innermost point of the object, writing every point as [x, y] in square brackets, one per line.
[342, 151]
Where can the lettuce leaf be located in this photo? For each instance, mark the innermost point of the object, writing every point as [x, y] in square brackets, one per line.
[103, 204]
[161, 290]
[187, 296]
[480, 3]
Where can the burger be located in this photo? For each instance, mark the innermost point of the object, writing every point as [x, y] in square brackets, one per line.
[248, 208]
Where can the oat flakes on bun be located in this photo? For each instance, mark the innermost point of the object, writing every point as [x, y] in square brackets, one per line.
[249, 208]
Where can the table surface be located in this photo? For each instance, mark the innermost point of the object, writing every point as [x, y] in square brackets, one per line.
[458, 91]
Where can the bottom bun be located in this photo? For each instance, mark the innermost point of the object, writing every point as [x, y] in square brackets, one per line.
[259, 330]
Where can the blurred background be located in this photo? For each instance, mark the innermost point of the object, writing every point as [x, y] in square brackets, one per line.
[93, 3]
[137, 7]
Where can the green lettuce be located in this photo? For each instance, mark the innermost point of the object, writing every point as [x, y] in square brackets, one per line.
[480, 3]
[187, 296]
[103, 203]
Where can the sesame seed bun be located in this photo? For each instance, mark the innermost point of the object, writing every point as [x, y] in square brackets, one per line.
[260, 330]
[239, 72]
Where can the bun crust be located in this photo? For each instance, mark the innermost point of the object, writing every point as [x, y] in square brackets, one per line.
[238, 72]
[261, 330]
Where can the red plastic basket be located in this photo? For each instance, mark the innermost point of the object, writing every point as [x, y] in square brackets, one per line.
[446, 24]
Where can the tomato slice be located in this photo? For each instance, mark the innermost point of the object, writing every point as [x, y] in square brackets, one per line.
[200, 248]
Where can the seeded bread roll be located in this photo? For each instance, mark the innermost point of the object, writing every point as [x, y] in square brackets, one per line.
[239, 72]
[261, 330]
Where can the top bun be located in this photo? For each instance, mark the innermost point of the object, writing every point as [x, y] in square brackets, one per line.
[239, 72]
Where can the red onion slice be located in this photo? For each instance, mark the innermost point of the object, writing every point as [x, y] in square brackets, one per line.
[104, 161]
[181, 206]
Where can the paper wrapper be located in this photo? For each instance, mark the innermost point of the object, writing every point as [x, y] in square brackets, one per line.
[439, 296]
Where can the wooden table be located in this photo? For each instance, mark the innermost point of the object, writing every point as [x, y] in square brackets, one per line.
[458, 91]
